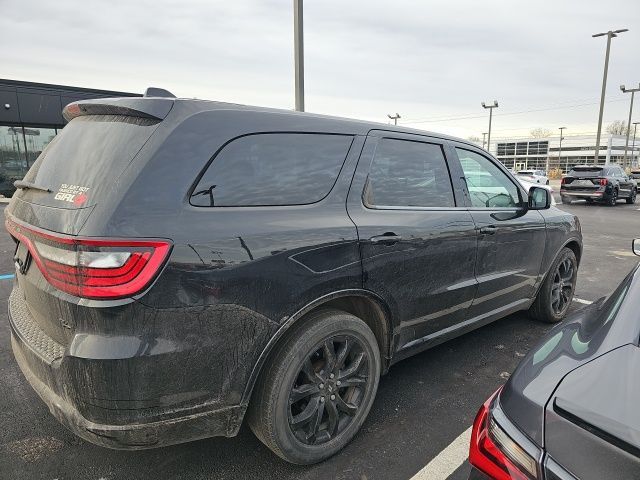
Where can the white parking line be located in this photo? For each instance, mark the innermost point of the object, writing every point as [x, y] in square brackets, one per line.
[580, 300]
[448, 460]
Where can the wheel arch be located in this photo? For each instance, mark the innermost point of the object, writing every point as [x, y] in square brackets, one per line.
[575, 246]
[363, 304]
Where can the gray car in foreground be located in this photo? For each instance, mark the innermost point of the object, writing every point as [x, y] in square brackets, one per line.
[571, 410]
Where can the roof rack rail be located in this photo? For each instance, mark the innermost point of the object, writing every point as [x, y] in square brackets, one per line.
[158, 92]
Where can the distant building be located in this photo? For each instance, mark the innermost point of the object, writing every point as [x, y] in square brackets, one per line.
[30, 116]
[543, 153]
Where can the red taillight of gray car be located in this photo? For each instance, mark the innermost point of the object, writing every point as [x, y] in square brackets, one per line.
[493, 452]
[97, 268]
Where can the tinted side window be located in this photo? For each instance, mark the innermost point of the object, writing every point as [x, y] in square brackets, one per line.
[408, 174]
[488, 185]
[273, 169]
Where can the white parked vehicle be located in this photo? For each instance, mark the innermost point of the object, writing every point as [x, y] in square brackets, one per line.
[533, 176]
[527, 185]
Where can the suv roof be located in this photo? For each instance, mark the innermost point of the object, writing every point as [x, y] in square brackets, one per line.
[159, 107]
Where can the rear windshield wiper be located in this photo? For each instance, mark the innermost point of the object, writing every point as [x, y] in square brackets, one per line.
[21, 184]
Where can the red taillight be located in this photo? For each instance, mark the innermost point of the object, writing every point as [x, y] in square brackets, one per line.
[97, 268]
[603, 182]
[563, 181]
[484, 453]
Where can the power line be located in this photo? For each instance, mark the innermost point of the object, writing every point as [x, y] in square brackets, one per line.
[471, 117]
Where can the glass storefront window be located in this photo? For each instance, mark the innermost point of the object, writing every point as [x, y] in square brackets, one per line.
[13, 160]
[19, 148]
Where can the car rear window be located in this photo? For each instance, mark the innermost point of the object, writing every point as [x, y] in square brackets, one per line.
[273, 169]
[587, 171]
[85, 158]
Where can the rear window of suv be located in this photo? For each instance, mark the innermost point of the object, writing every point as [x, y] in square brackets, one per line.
[87, 156]
[273, 169]
[587, 171]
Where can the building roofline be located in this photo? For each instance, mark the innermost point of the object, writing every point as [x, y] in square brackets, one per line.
[22, 83]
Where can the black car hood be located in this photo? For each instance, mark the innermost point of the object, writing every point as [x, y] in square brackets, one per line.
[584, 336]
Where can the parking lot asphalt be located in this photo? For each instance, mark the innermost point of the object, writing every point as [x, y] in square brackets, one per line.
[423, 404]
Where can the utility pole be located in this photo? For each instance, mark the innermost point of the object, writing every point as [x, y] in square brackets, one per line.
[633, 146]
[610, 34]
[298, 54]
[633, 92]
[490, 107]
[395, 118]
[560, 148]
[484, 137]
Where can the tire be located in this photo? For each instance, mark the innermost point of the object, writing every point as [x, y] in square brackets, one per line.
[589, 200]
[544, 307]
[565, 200]
[613, 199]
[632, 198]
[296, 369]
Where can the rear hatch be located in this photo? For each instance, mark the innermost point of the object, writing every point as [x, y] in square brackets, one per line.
[83, 163]
[585, 178]
[592, 421]
[55, 269]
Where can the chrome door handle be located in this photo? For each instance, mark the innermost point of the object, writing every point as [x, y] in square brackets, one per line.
[388, 238]
[488, 230]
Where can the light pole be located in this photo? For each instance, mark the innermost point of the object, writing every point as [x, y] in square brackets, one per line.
[490, 107]
[633, 146]
[560, 148]
[298, 54]
[610, 34]
[633, 92]
[395, 118]
[484, 137]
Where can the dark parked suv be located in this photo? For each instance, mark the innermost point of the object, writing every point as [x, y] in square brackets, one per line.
[598, 183]
[181, 263]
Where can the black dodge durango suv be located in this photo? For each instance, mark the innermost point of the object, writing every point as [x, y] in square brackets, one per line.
[182, 263]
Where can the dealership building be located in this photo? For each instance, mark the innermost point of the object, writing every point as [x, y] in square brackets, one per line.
[540, 153]
[30, 117]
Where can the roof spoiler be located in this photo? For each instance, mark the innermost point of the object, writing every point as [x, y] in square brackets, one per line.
[156, 108]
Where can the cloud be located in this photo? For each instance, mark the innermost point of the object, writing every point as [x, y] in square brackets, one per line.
[425, 60]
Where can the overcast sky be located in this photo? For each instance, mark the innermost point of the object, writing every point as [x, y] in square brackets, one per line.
[431, 61]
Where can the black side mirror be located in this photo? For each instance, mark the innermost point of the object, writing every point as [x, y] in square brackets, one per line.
[539, 198]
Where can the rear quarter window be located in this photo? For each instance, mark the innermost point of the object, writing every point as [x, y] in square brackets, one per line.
[272, 169]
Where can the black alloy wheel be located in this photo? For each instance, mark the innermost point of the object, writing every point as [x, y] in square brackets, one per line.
[562, 286]
[555, 295]
[632, 198]
[317, 387]
[613, 199]
[326, 395]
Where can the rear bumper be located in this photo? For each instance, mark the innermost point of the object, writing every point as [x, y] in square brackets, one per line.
[188, 427]
[564, 193]
[74, 390]
[476, 474]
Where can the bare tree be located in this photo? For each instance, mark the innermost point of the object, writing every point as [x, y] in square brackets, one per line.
[618, 127]
[540, 133]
